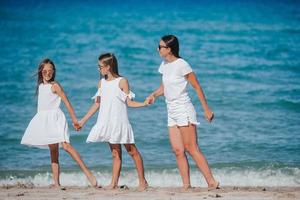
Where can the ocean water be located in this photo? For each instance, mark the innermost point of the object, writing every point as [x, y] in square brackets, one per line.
[246, 56]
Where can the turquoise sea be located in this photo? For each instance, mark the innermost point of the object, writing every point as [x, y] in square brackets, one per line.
[246, 55]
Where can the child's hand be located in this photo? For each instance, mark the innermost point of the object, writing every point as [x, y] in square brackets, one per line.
[81, 123]
[146, 102]
[209, 115]
[77, 126]
[150, 99]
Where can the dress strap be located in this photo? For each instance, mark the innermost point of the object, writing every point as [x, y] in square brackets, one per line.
[119, 79]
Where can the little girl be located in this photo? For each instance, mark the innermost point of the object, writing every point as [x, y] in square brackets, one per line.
[49, 127]
[112, 125]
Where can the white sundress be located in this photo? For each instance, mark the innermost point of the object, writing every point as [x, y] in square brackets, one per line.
[49, 125]
[112, 124]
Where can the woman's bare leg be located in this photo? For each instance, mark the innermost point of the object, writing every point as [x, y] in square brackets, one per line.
[189, 137]
[178, 149]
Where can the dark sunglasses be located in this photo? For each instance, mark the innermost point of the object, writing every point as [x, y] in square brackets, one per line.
[161, 46]
[100, 66]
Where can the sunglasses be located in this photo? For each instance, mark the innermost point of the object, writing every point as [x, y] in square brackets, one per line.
[161, 46]
[46, 71]
[101, 67]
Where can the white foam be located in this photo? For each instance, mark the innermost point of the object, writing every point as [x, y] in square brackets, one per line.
[170, 178]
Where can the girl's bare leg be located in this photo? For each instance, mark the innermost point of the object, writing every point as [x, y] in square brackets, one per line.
[136, 156]
[75, 155]
[189, 137]
[116, 152]
[178, 149]
[54, 154]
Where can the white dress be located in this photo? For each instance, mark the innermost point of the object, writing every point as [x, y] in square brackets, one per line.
[181, 111]
[49, 125]
[112, 124]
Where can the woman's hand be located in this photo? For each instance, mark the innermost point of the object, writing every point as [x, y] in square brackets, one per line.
[146, 102]
[150, 99]
[209, 115]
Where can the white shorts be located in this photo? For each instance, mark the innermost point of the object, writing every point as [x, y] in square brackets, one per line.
[181, 114]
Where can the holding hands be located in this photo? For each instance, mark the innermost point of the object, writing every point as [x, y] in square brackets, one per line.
[77, 126]
[150, 99]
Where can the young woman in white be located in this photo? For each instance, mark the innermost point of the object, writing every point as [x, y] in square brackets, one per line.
[112, 126]
[182, 121]
[49, 127]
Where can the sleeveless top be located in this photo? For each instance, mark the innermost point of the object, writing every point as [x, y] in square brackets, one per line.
[112, 124]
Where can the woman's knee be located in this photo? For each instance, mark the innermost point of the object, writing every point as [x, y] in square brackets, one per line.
[178, 152]
[192, 149]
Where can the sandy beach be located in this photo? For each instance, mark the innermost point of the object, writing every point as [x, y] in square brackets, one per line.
[242, 56]
[232, 193]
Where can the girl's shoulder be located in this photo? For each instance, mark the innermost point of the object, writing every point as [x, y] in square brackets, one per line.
[122, 78]
[123, 82]
[55, 86]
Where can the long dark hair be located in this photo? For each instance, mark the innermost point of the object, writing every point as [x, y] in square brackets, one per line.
[173, 43]
[40, 75]
[111, 60]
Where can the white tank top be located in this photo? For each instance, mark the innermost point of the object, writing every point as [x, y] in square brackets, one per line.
[47, 100]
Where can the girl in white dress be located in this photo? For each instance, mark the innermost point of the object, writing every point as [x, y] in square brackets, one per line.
[112, 126]
[49, 128]
[182, 121]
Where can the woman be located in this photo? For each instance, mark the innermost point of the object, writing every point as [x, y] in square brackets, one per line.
[182, 121]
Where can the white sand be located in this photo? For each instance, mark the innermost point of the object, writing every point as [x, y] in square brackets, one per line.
[228, 193]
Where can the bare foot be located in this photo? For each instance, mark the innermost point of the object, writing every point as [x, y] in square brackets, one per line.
[110, 187]
[185, 188]
[56, 186]
[93, 181]
[214, 186]
[143, 186]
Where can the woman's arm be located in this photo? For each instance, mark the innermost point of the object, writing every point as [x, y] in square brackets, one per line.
[192, 79]
[124, 86]
[158, 92]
